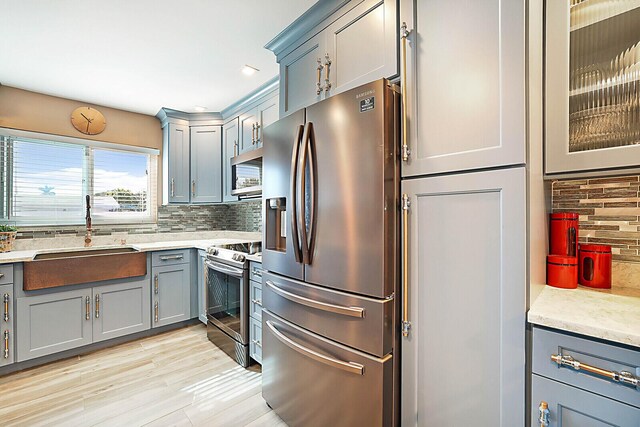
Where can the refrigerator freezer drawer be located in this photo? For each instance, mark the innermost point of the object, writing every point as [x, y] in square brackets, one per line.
[360, 322]
[311, 381]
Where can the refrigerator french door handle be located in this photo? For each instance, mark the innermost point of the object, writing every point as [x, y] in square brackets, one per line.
[294, 195]
[313, 179]
[302, 177]
[351, 367]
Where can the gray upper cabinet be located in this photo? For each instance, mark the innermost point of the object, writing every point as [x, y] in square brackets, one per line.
[54, 322]
[230, 135]
[177, 152]
[171, 290]
[473, 274]
[465, 85]
[267, 112]
[592, 118]
[206, 164]
[301, 81]
[248, 123]
[121, 309]
[362, 46]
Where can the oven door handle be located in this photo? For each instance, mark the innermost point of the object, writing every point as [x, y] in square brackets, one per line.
[236, 272]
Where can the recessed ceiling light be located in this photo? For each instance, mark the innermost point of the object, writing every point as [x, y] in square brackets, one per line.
[249, 70]
[199, 109]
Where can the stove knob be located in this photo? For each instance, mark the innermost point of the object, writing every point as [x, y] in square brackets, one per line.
[213, 251]
[238, 257]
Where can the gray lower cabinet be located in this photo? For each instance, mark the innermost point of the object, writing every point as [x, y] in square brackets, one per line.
[572, 407]
[255, 336]
[54, 322]
[121, 309]
[463, 361]
[202, 291]
[171, 294]
[230, 135]
[7, 353]
[206, 164]
[255, 311]
[474, 116]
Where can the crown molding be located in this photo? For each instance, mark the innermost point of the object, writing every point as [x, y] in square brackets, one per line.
[251, 98]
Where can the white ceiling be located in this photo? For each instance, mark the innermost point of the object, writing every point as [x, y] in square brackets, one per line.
[145, 54]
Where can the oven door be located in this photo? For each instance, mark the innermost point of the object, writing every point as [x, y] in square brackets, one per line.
[228, 299]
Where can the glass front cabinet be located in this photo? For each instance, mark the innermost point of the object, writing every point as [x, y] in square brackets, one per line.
[592, 87]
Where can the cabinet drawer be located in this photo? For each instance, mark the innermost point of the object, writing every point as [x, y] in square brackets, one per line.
[255, 300]
[170, 257]
[6, 274]
[255, 271]
[572, 407]
[588, 352]
[255, 340]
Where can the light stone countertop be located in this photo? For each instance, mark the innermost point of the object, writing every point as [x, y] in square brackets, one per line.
[148, 243]
[612, 315]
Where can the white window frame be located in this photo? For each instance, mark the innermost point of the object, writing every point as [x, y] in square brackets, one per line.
[87, 178]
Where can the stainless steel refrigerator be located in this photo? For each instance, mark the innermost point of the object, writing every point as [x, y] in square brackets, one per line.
[330, 200]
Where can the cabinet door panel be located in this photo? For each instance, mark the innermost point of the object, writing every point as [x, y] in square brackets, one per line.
[248, 122]
[206, 161]
[202, 293]
[465, 84]
[573, 407]
[230, 143]
[178, 152]
[268, 112]
[173, 297]
[52, 323]
[7, 315]
[124, 309]
[298, 75]
[363, 45]
[471, 272]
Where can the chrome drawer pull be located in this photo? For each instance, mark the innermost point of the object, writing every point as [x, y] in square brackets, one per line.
[623, 377]
[352, 367]
[170, 257]
[6, 301]
[1, 275]
[258, 343]
[333, 308]
[257, 301]
[257, 272]
[543, 414]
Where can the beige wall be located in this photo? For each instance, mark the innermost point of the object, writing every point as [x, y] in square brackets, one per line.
[24, 110]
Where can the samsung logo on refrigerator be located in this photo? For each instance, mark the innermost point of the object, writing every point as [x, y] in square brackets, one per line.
[367, 93]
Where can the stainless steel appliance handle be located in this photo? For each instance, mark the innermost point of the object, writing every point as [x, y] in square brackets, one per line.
[170, 257]
[406, 324]
[313, 180]
[236, 272]
[294, 195]
[351, 367]
[302, 176]
[404, 33]
[333, 308]
[623, 377]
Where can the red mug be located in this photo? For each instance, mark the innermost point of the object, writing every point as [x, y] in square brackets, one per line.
[595, 266]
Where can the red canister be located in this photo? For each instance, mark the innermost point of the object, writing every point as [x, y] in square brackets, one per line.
[562, 271]
[595, 266]
[563, 239]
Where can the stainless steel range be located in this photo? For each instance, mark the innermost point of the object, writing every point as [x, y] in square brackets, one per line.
[227, 287]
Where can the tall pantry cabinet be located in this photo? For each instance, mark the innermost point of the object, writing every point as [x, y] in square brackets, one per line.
[463, 204]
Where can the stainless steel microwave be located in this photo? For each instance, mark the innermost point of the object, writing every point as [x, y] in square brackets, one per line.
[246, 174]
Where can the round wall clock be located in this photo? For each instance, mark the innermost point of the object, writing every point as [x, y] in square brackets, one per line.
[88, 120]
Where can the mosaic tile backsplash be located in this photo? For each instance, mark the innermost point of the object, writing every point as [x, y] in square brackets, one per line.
[244, 216]
[609, 212]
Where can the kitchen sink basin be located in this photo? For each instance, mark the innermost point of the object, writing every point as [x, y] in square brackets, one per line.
[83, 253]
[55, 269]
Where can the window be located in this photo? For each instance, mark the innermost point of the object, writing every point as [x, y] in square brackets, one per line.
[46, 182]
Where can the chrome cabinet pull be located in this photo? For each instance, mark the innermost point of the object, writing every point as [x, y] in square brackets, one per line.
[404, 33]
[155, 284]
[171, 257]
[543, 411]
[235, 148]
[193, 187]
[257, 271]
[257, 342]
[257, 132]
[257, 302]
[319, 76]
[87, 309]
[406, 324]
[352, 367]
[333, 308]
[327, 70]
[622, 377]
[173, 187]
[6, 344]
[1, 275]
[6, 300]
[253, 133]
[156, 310]
[97, 306]
[294, 195]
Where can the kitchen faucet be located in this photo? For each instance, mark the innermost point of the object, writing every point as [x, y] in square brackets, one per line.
[87, 236]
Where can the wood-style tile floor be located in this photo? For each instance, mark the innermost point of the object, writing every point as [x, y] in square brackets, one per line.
[178, 378]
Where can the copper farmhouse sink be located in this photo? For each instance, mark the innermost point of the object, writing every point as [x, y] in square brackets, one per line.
[50, 270]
